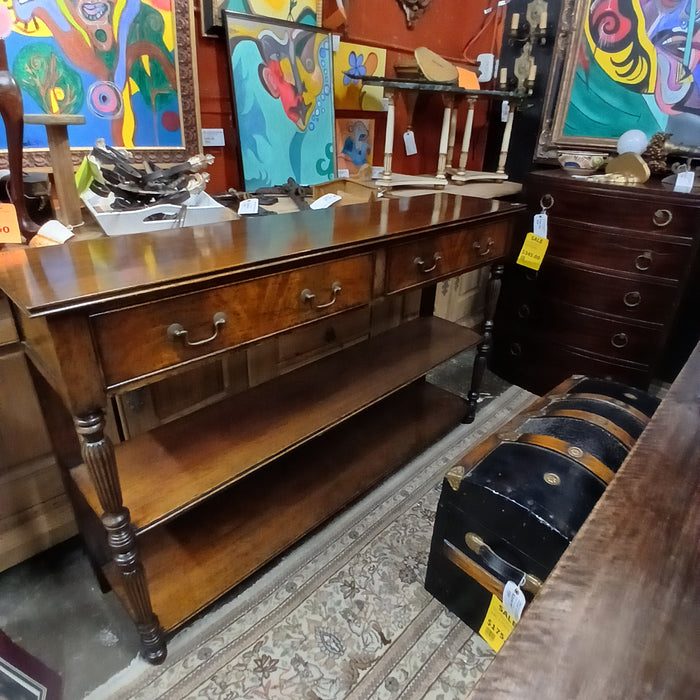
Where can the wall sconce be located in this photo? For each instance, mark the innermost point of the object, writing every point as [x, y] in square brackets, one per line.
[530, 28]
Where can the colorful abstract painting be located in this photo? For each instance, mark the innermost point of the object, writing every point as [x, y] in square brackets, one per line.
[637, 67]
[300, 11]
[282, 85]
[113, 62]
[354, 139]
[355, 59]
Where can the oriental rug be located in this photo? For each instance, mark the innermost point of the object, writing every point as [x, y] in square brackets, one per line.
[342, 615]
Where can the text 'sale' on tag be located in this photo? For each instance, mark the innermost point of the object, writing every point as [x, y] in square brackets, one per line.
[532, 252]
[497, 625]
[9, 225]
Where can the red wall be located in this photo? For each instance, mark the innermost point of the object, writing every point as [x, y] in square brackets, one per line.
[446, 28]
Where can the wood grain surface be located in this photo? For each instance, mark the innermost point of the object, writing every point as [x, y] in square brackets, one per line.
[619, 617]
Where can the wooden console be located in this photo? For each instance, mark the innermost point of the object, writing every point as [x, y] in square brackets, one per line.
[177, 516]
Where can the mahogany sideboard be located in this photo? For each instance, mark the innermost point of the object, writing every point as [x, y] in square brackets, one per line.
[619, 616]
[177, 516]
[620, 263]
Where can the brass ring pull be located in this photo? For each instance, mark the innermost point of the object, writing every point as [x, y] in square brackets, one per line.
[632, 299]
[546, 201]
[662, 217]
[308, 295]
[619, 340]
[419, 262]
[643, 261]
[477, 247]
[177, 330]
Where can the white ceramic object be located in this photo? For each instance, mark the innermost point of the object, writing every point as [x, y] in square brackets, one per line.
[580, 162]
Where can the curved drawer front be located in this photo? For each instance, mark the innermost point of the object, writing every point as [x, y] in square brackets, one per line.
[636, 299]
[628, 209]
[253, 309]
[651, 256]
[415, 263]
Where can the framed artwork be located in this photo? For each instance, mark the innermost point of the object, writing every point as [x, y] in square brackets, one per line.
[356, 59]
[354, 139]
[24, 677]
[282, 78]
[632, 64]
[300, 11]
[128, 72]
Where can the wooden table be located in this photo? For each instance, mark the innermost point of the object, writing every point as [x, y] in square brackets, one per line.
[175, 517]
[619, 616]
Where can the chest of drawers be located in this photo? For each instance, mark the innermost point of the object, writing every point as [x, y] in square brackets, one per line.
[607, 294]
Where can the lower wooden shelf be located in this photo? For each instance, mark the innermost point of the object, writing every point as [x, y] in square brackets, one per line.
[194, 559]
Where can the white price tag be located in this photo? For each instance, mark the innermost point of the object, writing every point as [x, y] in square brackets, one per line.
[409, 139]
[513, 600]
[325, 201]
[248, 206]
[539, 225]
[684, 181]
[505, 110]
[343, 172]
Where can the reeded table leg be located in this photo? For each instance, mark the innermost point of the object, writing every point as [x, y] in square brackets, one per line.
[98, 453]
[493, 289]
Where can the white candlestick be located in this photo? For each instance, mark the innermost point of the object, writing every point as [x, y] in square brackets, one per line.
[504, 76]
[543, 20]
[533, 72]
[515, 20]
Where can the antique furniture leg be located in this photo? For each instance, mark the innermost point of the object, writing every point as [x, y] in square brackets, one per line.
[12, 110]
[493, 289]
[98, 453]
[458, 175]
[444, 136]
[389, 136]
[505, 142]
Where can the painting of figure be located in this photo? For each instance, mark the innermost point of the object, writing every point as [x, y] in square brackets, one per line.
[638, 67]
[354, 139]
[282, 85]
[112, 61]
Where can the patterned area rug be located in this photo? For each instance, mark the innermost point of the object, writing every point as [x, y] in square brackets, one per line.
[345, 613]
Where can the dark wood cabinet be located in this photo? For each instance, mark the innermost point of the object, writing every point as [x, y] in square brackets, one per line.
[606, 298]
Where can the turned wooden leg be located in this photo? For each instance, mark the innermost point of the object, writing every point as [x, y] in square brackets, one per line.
[493, 289]
[389, 135]
[98, 454]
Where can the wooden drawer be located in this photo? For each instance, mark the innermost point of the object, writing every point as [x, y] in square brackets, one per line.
[413, 264]
[8, 332]
[615, 207]
[658, 257]
[254, 309]
[627, 297]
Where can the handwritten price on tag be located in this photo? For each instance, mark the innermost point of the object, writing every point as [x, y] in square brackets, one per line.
[497, 625]
[533, 251]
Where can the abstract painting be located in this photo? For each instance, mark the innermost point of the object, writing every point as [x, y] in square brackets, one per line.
[359, 60]
[124, 65]
[301, 11]
[632, 64]
[283, 97]
[354, 139]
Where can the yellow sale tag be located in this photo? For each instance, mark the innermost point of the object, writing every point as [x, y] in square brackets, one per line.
[533, 251]
[497, 625]
[9, 226]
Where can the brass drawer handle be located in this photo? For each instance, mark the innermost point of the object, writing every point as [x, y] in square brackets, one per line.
[477, 247]
[619, 340]
[308, 296]
[419, 262]
[662, 217]
[524, 311]
[478, 546]
[643, 261]
[632, 299]
[177, 330]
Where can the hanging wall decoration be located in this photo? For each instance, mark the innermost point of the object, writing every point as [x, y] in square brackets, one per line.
[358, 60]
[300, 11]
[129, 73]
[413, 9]
[283, 97]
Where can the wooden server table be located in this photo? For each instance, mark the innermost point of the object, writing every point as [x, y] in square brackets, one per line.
[176, 517]
[619, 616]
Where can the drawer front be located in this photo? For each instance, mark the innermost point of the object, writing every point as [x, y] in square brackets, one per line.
[429, 259]
[636, 299]
[618, 209]
[136, 342]
[657, 257]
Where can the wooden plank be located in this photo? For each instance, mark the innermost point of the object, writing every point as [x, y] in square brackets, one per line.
[619, 615]
[226, 441]
[29, 484]
[245, 526]
[8, 332]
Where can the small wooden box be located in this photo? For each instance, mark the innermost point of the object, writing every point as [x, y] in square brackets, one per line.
[512, 504]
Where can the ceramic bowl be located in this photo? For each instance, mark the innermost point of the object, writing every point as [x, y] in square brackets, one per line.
[580, 162]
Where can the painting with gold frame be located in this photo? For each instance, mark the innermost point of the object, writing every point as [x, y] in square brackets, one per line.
[633, 64]
[301, 11]
[131, 75]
